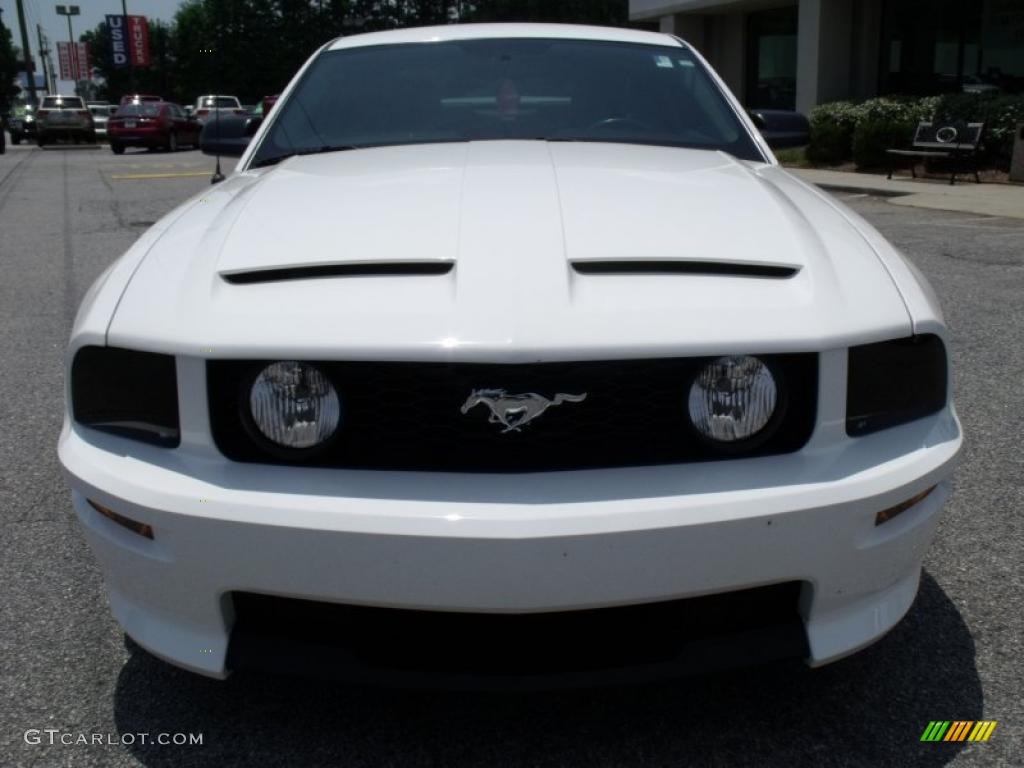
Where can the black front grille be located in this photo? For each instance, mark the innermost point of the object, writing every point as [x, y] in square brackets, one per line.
[407, 416]
[414, 648]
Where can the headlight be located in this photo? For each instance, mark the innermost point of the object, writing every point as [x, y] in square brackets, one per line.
[129, 393]
[894, 382]
[733, 398]
[29, 119]
[294, 405]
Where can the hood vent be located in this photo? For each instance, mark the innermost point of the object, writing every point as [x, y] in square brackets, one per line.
[366, 269]
[683, 267]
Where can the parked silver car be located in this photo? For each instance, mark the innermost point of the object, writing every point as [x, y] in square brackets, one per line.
[101, 112]
[64, 117]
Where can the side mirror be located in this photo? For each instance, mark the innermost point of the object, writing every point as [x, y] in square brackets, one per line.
[782, 128]
[226, 135]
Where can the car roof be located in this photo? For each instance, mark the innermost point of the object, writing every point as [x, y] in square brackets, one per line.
[485, 31]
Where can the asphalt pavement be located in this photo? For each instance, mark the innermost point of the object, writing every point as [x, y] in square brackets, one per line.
[66, 213]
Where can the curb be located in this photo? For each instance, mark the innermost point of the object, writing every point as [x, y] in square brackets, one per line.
[863, 190]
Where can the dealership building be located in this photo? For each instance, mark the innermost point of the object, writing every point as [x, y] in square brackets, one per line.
[793, 54]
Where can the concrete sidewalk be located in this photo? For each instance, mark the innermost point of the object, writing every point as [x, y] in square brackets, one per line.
[965, 196]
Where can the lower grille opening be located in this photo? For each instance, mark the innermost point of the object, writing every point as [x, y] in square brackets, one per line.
[409, 648]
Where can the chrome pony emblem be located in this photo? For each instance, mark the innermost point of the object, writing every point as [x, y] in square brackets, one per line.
[515, 411]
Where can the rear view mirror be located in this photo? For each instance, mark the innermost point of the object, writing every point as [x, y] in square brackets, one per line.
[227, 135]
[782, 128]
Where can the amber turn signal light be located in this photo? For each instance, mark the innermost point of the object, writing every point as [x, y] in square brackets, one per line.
[888, 514]
[144, 530]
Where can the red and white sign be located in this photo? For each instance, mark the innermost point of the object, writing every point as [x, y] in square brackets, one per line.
[74, 61]
[138, 41]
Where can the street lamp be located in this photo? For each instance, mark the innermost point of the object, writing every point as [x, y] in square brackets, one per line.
[69, 11]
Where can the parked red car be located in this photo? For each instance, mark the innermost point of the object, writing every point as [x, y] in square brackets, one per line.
[153, 125]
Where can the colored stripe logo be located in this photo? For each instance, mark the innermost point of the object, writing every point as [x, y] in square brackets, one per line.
[958, 730]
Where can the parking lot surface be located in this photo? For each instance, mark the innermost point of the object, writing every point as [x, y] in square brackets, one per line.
[66, 213]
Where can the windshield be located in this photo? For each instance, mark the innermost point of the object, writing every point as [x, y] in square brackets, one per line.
[139, 110]
[62, 102]
[473, 90]
[221, 102]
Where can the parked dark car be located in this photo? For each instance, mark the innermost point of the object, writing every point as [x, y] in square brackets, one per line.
[782, 128]
[64, 117]
[22, 124]
[153, 125]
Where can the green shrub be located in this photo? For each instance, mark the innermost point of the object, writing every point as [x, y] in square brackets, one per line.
[831, 132]
[862, 131]
[872, 137]
[1001, 113]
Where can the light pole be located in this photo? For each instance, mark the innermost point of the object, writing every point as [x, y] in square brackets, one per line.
[69, 11]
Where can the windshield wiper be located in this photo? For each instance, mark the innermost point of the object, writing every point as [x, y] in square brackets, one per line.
[308, 151]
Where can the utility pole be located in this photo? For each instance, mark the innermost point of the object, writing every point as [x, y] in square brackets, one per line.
[30, 74]
[43, 51]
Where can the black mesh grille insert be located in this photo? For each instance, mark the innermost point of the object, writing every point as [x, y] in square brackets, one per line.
[408, 647]
[408, 415]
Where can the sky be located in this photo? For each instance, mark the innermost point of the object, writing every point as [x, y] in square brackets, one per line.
[92, 13]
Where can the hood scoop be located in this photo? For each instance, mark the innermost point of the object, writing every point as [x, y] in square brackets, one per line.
[359, 269]
[683, 267]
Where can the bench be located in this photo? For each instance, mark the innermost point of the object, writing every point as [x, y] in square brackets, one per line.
[956, 142]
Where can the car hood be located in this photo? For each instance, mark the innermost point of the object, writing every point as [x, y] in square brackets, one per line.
[515, 220]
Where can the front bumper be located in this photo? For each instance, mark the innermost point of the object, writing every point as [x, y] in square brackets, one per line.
[513, 543]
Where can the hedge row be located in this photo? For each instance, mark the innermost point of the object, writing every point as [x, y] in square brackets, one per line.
[845, 130]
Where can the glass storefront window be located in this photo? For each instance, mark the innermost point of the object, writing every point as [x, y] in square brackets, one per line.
[939, 46]
[771, 59]
[1002, 30]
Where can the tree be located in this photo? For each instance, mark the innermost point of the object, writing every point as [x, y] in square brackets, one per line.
[9, 68]
[156, 78]
[608, 12]
[252, 48]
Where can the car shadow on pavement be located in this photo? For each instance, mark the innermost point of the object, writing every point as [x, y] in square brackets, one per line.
[869, 709]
